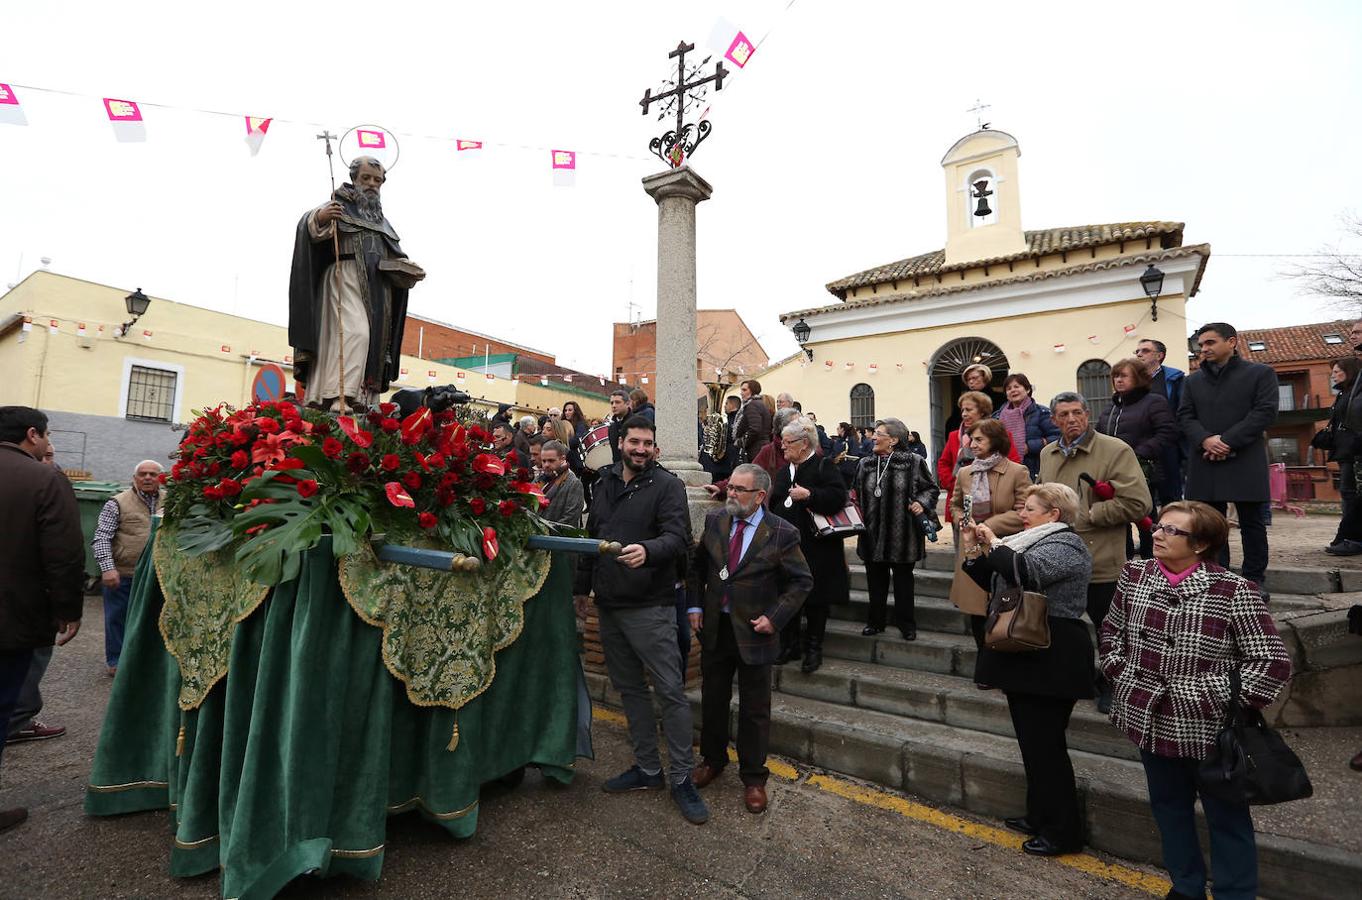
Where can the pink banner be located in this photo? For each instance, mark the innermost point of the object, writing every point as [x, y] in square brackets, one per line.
[564, 159]
[374, 140]
[122, 110]
[467, 145]
[740, 51]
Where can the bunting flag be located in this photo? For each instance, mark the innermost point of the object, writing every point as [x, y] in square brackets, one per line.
[827, 365]
[544, 380]
[601, 379]
[1060, 348]
[146, 335]
[27, 326]
[491, 377]
[80, 330]
[255, 132]
[1128, 329]
[1094, 339]
[431, 375]
[850, 366]
[872, 368]
[402, 372]
[644, 379]
[567, 379]
[126, 118]
[371, 140]
[740, 50]
[564, 168]
[460, 145]
[11, 113]
[899, 366]
[51, 326]
[226, 348]
[458, 376]
[288, 360]
[621, 378]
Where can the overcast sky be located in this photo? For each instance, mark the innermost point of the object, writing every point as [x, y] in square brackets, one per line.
[1238, 118]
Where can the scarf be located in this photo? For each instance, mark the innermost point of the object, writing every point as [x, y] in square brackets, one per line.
[1068, 450]
[1014, 420]
[981, 503]
[1024, 540]
[965, 455]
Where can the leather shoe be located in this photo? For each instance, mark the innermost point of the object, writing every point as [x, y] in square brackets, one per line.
[754, 796]
[704, 774]
[870, 630]
[1021, 824]
[1043, 846]
[1356, 762]
[909, 632]
[11, 817]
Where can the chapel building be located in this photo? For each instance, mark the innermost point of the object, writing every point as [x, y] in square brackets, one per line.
[1058, 304]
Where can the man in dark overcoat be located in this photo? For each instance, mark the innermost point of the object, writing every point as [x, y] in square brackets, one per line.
[749, 578]
[1227, 406]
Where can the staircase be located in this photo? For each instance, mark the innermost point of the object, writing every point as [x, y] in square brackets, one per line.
[908, 716]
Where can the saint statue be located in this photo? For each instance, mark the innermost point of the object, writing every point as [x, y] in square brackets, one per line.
[348, 294]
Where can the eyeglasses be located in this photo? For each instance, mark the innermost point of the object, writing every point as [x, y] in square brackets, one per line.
[734, 489]
[1170, 529]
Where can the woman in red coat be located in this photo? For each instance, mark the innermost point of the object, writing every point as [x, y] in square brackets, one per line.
[975, 406]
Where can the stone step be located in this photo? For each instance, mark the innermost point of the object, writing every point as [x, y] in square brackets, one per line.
[943, 654]
[981, 773]
[945, 699]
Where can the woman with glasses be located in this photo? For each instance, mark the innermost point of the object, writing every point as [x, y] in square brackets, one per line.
[1178, 628]
[1144, 420]
[895, 490]
[809, 483]
[974, 407]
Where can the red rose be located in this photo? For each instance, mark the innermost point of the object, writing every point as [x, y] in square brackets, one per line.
[230, 487]
[507, 508]
[478, 505]
[267, 426]
[212, 470]
[390, 425]
[241, 438]
[307, 487]
[484, 482]
[357, 463]
[288, 409]
[450, 479]
[522, 473]
[444, 496]
[241, 459]
[391, 461]
[374, 418]
[212, 492]
[435, 460]
[322, 427]
[426, 520]
[412, 480]
[387, 409]
[161, 477]
[332, 448]
[397, 496]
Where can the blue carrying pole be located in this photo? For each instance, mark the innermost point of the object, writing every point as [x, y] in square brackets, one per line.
[447, 561]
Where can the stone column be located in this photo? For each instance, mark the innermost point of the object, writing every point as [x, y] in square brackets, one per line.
[677, 191]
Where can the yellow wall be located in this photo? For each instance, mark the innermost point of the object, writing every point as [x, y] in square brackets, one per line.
[64, 372]
[1028, 342]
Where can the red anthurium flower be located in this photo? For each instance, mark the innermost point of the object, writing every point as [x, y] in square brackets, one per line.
[412, 480]
[332, 448]
[241, 459]
[417, 424]
[288, 463]
[421, 459]
[426, 520]
[391, 462]
[489, 543]
[354, 432]
[256, 529]
[307, 487]
[488, 464]
[397, 496]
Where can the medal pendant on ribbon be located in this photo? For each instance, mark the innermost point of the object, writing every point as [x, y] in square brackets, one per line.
[879, 492]
[789, 501]
[723, 574]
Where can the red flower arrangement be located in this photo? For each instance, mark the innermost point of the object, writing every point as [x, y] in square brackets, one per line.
[276, 478]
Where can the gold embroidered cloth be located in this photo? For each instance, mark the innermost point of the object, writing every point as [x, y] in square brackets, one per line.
[441, 630]
[205, 597]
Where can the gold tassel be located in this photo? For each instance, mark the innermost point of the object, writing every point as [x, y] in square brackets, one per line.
[454, 741]
[179, 742]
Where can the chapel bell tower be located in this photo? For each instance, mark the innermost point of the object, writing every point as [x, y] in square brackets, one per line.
[983, 210]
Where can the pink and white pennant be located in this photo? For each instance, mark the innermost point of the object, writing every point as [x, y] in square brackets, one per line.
[564, 168]
[11, 112]
[255, 132]
[126, 118]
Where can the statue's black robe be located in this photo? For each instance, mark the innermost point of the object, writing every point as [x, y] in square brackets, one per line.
[387, 303]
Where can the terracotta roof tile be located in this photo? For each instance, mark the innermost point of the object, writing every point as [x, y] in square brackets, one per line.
[1038, 243]
[1296, 343]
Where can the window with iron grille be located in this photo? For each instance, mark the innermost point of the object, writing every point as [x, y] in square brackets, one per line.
[863, 406]
[151, 394]
[1094, 383]
[1284, 450]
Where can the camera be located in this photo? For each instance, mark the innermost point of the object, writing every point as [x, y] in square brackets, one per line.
[927, 522]
[436, 399]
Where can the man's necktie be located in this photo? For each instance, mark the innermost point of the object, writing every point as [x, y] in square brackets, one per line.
[734, 554]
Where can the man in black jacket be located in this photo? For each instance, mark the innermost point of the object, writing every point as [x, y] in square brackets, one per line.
[1227, 406]
[42, 558]
[643, 507]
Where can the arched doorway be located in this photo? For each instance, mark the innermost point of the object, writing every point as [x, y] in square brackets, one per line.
[943, 373]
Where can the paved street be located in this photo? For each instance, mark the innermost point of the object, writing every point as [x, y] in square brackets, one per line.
[823, 836]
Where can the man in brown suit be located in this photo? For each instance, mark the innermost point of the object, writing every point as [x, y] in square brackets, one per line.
[750, 578]
[42, 561]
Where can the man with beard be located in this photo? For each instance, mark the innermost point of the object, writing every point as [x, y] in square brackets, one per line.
[561, 486]
[750, 578]
[346, 317]
[643, 507]
[619, 411]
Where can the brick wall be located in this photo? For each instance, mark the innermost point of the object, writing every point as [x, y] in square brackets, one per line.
[108, 447]
[437, 341]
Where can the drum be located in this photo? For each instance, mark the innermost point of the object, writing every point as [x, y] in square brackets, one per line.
[596, 448]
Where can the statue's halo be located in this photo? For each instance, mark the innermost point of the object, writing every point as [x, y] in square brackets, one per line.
[370, 140]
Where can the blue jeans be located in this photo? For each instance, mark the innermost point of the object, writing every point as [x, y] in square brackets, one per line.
[1234, 852]
[29, 701]
[13, 670]
[115, 617]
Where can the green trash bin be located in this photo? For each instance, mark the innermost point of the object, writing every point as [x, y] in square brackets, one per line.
[91, 497]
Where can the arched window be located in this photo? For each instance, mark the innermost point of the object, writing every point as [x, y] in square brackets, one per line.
[981, 197]
[1094, 383]
[863, 406]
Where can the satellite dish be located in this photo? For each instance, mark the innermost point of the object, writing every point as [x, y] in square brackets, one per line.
[45, 260]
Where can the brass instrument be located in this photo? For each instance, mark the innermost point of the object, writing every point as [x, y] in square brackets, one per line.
[715, 431]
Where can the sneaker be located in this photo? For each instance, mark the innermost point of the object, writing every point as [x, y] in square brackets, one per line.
[635, 779]
[688, 800]
[1344, 548]
[36, 731]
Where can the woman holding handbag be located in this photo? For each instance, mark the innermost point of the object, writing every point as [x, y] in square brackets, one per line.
[1041, 685]
[994, 487]
[895, 490]
[808, 483]
[1178, 628]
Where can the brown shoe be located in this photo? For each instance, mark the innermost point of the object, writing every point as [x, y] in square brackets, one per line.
[1356, 762]
[754, 795]
[11, 817]
[36, 731]
[704, 774]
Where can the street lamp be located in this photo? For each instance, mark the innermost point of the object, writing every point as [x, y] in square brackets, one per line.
[137, 303]
[1152, 282]
[802, 331]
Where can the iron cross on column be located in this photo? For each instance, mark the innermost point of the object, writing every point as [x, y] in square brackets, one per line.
[676, 146]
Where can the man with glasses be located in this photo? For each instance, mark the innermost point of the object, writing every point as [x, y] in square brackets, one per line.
[1167, 381]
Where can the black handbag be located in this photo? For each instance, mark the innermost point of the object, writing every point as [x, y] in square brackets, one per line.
[1250, 762]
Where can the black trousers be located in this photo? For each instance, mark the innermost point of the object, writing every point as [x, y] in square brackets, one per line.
[717, 668]
[976, 629]
[1253, 537]
[877, 576]
[1350, 526]
[793, 635]
[1051, 793]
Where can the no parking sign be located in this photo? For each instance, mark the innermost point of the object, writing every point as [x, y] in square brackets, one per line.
[269, 384]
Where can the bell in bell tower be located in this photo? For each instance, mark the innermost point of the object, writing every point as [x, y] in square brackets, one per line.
[983, 211]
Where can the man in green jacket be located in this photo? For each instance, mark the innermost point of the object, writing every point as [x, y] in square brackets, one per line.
[1089, 462]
